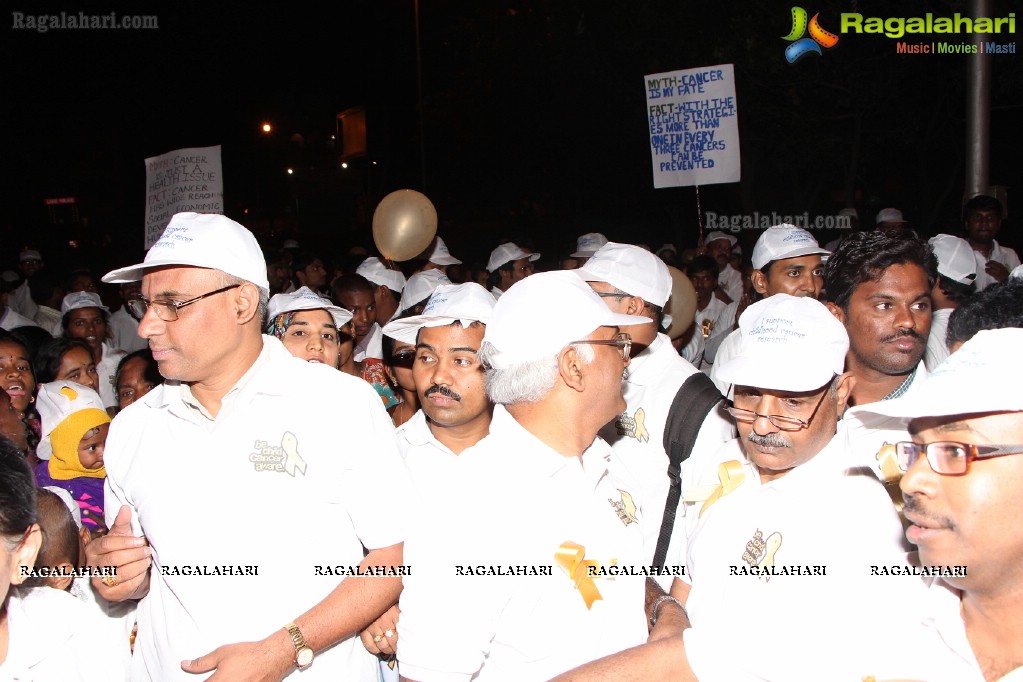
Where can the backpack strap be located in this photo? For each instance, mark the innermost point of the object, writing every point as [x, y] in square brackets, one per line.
[695, 399]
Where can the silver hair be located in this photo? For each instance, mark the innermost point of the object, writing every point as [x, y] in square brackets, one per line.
[527, 382]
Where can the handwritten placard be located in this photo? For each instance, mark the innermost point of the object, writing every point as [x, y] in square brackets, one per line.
[694, 132]
[182, 180]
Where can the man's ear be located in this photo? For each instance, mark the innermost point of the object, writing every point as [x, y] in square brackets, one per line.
[25, 555]
[843, 389]
[246, 300]
[836, 311]
[636, 306]
[570, 367]
[759, 280]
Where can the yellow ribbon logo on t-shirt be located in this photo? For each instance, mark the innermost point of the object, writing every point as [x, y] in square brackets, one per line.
[572, 557]
[731, 477]
[293, 461]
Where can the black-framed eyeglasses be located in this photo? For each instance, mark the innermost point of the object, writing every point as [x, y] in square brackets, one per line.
[621, 340]
[168, 310]
[949, 458]
[783, 422]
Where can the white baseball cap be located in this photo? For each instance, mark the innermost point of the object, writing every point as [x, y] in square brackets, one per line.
[506, 253]
[784, 241]
[588, 244]
[419, 287]
[441, 255]
[381, 275]
[984, 375]
[718, 234]
[450, 303]
[58, 400]
[82, 299]
[889, 215]
[787, 344]
[201, 240]
[29, 254]
[634, 270]
[305, 298]
[526, 326]
[955, 258]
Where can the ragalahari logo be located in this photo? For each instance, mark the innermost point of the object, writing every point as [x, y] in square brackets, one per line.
[802, 46]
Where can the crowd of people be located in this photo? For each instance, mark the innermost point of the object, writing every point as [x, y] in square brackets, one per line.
[260, 466]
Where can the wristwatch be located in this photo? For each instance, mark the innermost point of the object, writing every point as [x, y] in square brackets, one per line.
[303, 654]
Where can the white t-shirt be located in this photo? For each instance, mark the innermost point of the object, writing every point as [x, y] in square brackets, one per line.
[730, 280]
[21, 300]
[371, 345]
[788, 563]
[124, 331]
[512, 506]
[426, 458]
[106, 374]
[637, 435]
[937, 351]
[727, 350]
[999, 253]
[9, 319]
[52, 639]
[273, 483]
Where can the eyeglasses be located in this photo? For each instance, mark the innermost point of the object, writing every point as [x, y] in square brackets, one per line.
[780, 421]
[949, 458]
[404, 359]
[621, 340]
[168, 310]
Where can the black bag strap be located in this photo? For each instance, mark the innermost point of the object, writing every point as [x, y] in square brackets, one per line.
[695, 399]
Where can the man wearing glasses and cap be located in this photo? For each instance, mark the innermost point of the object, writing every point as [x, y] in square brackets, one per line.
[782, 533]
[502, 588]
[963, 472]
[238, 421]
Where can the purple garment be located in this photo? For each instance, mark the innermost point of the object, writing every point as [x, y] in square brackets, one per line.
[87, 492]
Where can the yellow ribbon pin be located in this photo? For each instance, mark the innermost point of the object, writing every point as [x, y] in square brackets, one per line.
[294, 461]
[572, 557]
[773, 542]
[642, 435]
[731, 477]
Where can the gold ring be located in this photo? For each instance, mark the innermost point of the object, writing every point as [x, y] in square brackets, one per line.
[109, 580]
[377, 638]
[389, 633]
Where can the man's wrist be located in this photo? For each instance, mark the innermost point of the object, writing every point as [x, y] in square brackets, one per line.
[662, 602]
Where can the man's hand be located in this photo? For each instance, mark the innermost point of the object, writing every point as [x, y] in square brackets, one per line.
[386, 628]
[268, 660]
[130, 557]
[997, 271]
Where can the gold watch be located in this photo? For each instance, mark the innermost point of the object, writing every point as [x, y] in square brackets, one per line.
[303, 654]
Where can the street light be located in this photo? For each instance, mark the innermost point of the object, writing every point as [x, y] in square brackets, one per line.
[267, 128]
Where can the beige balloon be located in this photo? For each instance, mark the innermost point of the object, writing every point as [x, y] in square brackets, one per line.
[682, 303]
[404, 224]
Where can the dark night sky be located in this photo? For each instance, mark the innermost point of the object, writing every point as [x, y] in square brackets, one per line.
[534, 117]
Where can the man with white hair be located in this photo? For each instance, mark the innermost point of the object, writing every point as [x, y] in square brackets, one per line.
[633, 281]
[389, 284]
[516, 540]
[509, 263]
[782, 532]
[239, 420]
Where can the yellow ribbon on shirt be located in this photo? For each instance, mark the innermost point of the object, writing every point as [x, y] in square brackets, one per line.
[642, 435]
[730, 476]
[572, 557]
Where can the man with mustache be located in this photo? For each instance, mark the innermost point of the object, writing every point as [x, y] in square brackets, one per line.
[879, 286]
[455, 413]
[782, 533]
[963, 472]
